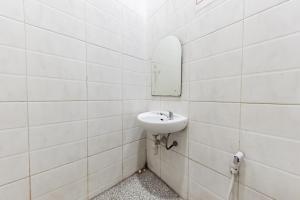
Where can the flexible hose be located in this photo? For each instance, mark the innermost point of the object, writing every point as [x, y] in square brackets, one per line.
[230, 187]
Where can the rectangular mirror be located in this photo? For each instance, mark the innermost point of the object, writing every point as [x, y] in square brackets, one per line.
[166, 67]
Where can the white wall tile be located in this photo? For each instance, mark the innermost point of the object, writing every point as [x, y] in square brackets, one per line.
[55, 44]
[219, 17]
[104, 91]
[134, 64]
[134, 106]
[98, 109]
[224, 65]
[272, 151]
[100, 126]
[255, 6]
[113, 7]
[103, 56]
[56, 134]
[174, 171]
[153, 7]
[134, 48]
[133, 148]
[13, 115]
[12, 61]
[13, 141]
[224, 114]
[75, 190]
[12, 33]
[134, 157]
[75, 8]
[104, 142]
[198, 192]
[223, 138]
[209, 179]
[46, 159]
[133, 134]
[56, 178]
[104, 179]
[13, 9]
[225, 89]
[14, 168]
[245, 193]
[101, 73]
[277, 87]
[38, 14]
[134, 92]
[274, 120]
[153, 157]
[103, 38]
[134, 163]
[229, 38]
[98, 17]
[18, 190]
[100, 161]
[43, 65]
[134, 78]
[13, 88]
[210, 157]
[278, 21]
[54, 112]
[42, 89]
[130, 121]
[269, 181]
[101, 174]
[105, 170]
[274, 55]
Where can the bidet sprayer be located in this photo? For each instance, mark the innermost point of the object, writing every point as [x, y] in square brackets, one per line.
[238, 158]
[234, 170]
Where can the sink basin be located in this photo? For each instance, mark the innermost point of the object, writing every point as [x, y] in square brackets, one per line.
[158, 122]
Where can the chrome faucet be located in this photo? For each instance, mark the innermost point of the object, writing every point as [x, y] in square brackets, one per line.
[170, 115]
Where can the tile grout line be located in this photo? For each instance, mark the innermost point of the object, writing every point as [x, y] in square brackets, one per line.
[122, 94]
[241, 90]
[78, 40]
[27, 99]
[87, 102]
[188, 129]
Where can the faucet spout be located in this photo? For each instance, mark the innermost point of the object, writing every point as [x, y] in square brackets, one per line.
[171, 115]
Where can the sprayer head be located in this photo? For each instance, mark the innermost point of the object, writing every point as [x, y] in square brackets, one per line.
[238, 157]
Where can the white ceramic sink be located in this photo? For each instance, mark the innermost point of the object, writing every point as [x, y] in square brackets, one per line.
[159, 123]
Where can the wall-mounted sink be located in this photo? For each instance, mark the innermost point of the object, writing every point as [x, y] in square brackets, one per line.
[159, 122]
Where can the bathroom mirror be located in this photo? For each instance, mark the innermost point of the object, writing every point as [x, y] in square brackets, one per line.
[166, 67]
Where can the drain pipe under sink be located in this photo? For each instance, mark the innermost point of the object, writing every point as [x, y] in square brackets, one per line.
[234, 170]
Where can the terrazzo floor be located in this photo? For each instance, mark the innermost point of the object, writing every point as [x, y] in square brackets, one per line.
[145, 186]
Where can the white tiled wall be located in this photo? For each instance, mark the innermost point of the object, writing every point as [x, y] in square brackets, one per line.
[74, 74]
[72, 79]
[241, 92]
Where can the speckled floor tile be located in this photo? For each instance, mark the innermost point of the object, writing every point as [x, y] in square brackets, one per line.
[145, 186]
